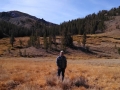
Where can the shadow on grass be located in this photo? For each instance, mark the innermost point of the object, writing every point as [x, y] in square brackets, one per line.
[83, 49]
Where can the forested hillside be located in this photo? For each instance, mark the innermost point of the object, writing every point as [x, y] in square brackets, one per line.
[21, 24]
[24, 25]
[72, 36]
[91, 24]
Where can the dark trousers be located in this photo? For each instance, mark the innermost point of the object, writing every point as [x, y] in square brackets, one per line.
[61, 70]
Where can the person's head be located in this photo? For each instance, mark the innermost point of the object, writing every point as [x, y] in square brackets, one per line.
[61, 53]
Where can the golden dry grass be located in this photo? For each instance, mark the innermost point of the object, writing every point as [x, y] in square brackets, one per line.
[96, 40]
[4, 45]
[34, 74]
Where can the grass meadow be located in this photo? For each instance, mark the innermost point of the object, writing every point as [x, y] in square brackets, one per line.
[40, 74]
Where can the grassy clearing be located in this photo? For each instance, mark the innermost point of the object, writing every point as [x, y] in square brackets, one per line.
[93, 41]
[4, 45]
[40, 74]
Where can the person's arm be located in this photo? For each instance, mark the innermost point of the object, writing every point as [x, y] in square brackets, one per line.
[65, 62]
[57, 61]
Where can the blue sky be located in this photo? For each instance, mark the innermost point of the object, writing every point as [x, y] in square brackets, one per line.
[58, 11]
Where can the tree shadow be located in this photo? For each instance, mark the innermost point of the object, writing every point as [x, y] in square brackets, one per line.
[83, 49]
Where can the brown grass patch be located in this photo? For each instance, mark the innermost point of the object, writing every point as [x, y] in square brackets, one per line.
[40, 74]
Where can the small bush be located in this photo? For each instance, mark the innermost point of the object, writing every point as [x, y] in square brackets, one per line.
[24, 53]
[11, 84]
[81, 81]
[12, 48]
[51, 81]
[66, 85]
[28, 86]
[117, 27]
[20, 53]
[87, 48]
[20, 42]
[119, 50]
[9, 50]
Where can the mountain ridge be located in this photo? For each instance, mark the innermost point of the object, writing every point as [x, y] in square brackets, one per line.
[23, 19]
[91, 24]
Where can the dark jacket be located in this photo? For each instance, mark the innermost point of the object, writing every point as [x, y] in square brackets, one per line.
[61, 62]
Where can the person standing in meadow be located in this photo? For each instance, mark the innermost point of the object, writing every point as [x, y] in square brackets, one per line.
[61, 64]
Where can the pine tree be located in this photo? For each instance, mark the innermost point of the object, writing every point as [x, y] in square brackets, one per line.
[63, 41]
[50, 42]
[34, 39]
[54, 41]
[12, 39]
[63, 46]
[67, 39]
[1, 34]
[84, 39]
[38, 42]
[45, 43]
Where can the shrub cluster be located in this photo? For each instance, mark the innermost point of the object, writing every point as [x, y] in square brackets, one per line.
[67, 84]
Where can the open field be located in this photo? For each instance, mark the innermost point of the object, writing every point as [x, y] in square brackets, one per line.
[40, 74]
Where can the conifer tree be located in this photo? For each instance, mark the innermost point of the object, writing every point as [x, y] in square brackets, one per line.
[38, 42]
[45, 41]
[34, 39]
[84, 39]
[12, 39]
[50, 42]
[63, 41]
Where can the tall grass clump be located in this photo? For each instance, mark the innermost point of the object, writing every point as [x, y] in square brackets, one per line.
[81, 82]
[66, 84]
[51, 81]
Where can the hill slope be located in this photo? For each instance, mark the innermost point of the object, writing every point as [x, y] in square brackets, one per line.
[22, 19]
[105, 44]
[92, 23]
[113, 27]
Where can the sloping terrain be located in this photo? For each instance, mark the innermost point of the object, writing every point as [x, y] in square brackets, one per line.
[108, 42]
[113, 27]
[22, 19]
[104, 45]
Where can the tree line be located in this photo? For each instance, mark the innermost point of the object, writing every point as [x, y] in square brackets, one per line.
[82, 26]
[90, 24]
[7, 28]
